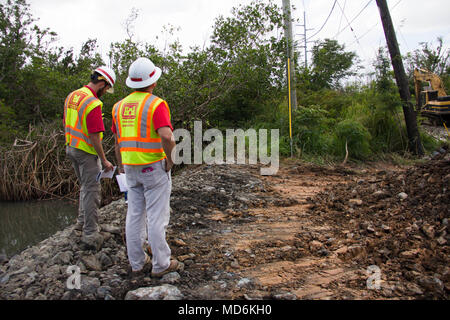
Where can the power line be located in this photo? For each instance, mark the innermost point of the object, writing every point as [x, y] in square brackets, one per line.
[349, 23]
[342, 15]
[332, 9]
[375, 25]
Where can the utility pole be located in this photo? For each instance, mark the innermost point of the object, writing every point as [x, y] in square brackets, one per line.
[305, 38]
[290, 64]
[415, 143]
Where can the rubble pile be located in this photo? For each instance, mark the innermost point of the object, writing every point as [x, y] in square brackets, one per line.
[397, 221]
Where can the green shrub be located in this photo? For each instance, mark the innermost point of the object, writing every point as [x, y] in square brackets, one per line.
[311, 130]
[355, 135]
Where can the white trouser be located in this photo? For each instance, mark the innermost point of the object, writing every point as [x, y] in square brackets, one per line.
[149, 189]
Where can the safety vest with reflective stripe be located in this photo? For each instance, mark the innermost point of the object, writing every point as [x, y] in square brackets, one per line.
[138, 141]
[77, 107]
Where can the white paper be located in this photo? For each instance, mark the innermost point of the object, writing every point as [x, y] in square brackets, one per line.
[122, 181]
[104, 174]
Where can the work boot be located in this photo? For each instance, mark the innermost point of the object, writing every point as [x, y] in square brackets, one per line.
[92, 242]
[144, 270]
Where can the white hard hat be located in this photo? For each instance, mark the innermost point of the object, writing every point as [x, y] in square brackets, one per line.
[108, 75]
[142, 73]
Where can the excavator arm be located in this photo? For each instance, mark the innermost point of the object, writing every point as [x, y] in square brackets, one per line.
[433, 79]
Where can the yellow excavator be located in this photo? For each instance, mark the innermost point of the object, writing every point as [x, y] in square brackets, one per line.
[432, 100]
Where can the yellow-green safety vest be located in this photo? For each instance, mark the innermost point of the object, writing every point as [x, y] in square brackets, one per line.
[138, 141]
[77, 107]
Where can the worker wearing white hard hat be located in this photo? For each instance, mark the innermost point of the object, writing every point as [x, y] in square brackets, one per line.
[144, 145]
[84, 129]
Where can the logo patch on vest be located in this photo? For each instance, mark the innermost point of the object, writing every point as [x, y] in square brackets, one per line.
[76, 99]
[129, 111]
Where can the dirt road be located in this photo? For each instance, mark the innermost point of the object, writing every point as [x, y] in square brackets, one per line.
[315, 233]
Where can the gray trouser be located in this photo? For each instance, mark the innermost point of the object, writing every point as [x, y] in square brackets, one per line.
[87, 166]
[149, 189]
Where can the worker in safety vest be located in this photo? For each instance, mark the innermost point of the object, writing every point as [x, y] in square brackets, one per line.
[144, 144]
[84, 129]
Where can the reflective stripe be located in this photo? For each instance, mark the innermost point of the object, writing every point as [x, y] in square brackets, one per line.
[109, 77]
[74, 143]
[137, 140]
[78, 135]
[116, 115]
[141, 145]
[82, 109]
[145, 114]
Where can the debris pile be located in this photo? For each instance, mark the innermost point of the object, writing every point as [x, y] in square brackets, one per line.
[397, 221]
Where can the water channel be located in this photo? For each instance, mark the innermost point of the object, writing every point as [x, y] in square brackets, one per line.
[24, 224]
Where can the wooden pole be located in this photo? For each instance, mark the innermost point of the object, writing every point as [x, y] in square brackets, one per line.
[290, 109]
[415, 144]
[290, 50]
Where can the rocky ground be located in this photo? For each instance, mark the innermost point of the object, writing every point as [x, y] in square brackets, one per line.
[440, 133]
[378, 232]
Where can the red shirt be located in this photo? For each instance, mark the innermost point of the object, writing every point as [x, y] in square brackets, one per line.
[94, 120]
[161, 118]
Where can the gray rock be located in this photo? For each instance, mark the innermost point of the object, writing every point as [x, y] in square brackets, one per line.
[68, 295]
[103, 291]
[402, 196]
[92, 242]
[164, 292]
[105, 260]
[111, 229]
[63, 258]
[285, 296]
[89, 285]
[245, 283]
[92, 263]
[171, 278]
[52, 272]
[4, 279]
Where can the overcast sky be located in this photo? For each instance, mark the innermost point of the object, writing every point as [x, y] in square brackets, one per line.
[75, 21]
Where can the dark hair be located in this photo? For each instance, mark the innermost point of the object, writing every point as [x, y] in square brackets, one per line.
[95, 80]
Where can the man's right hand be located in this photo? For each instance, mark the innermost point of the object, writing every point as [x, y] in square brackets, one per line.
[108, 166]
[169, 166]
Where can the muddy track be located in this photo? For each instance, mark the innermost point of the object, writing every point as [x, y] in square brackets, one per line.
[290, 247]
[275, 246]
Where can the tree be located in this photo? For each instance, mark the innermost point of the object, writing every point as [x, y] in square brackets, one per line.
[21, 44]
[251, 61]
[435, 59]
[432, 57]
[331, 64]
